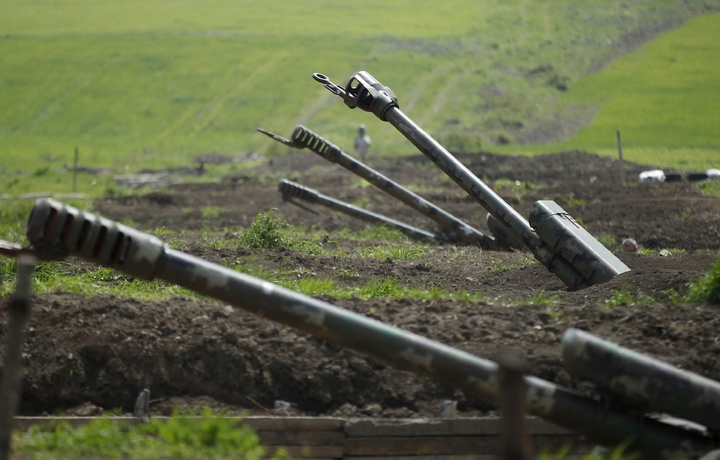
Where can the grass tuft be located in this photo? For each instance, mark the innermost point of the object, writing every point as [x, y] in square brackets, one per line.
[706, 288]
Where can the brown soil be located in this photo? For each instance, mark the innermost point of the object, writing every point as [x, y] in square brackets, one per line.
[86, 355]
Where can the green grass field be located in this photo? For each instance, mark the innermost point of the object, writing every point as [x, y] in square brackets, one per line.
[663, 99]
[152, 84]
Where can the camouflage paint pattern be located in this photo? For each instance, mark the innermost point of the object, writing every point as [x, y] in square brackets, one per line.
[363, 91]
[566, 237]
[114, 245]
[641, 380]
[291, 189]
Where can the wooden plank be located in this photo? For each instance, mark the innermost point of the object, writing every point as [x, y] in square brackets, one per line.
[302, 438]
[23, 423]
[538, 426]
[438, 445]
[433, 457]
[553, 444]
[442, 427]
[421, 427]
[307, 452]
[295, 423]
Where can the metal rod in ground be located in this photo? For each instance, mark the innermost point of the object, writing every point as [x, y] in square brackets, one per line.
[294, 190]
[18, 312]
[620, 157]
[75, 169]
[511, 383]
[304, 138]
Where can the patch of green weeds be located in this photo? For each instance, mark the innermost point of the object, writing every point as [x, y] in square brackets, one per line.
[62, 276]
[576, 202]
[387, 287]
[346, 273]
[393, 252]
[556, 313]
[625, 297]
[710, 188]
[269, 230]
[164, 233]
[181, 436]
[616, 453]
[376, 232]
[608, 241]
[516, 185]
[497, 267]
[8, 268]
[361, 183]
[210, 212]
[362, 203]
[543, 299]
[646, 251]
[41, 171]
[707, 287]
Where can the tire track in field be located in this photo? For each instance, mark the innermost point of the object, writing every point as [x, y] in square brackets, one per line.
[55, 104]
[452, 81]
[239, 87]
[195, 120]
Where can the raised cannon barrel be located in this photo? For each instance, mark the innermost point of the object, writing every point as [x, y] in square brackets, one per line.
[567, 250]
[641, 380]
[291, 189]
[304, 138]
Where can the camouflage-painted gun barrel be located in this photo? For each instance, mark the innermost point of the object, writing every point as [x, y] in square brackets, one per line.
[62, 230]
[641, 380]
[304, 137]
[560, 243]
[292, 189]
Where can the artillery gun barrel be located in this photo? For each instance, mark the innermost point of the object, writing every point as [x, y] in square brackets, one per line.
[641, 380]
[58, 229]
[292, 189]
[303, 137]
[563, 246]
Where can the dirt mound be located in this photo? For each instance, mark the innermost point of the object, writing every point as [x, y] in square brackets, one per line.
[99, 352]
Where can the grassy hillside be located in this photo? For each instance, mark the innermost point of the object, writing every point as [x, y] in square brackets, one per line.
[146, 84]
[663, 99]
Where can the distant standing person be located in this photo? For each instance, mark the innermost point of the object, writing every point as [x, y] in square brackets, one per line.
[362, 142]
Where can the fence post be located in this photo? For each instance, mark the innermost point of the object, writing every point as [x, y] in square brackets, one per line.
[18, 313]
[620, 156]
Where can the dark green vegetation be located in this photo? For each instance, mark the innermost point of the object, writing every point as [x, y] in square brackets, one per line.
[182, 436]
[138, 85]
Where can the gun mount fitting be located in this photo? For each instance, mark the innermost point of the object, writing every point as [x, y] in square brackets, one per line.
[364, 92]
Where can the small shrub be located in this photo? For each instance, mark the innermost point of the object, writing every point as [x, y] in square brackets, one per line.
[710, 188]
[503, 138]
[267, 231]
[707, 287]
[42, 171]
